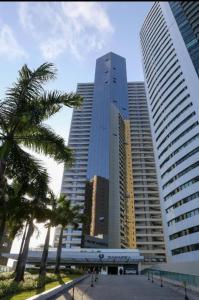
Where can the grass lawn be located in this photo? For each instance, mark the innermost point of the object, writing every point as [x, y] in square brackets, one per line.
[26, 294]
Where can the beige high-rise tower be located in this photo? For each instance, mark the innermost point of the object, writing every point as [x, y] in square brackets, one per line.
[148, 220]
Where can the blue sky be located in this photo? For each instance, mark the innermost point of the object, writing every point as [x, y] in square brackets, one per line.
[72, 35]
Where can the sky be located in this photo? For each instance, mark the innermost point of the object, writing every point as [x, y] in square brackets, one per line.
[72, 35]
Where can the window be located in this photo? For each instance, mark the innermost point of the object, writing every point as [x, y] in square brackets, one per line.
[176, 128]
[168, 78]
[189, 248]
[194, 151]
[182, 201]
[167, 97]
[179, 149]
[184, 232]
[173, 120]
[181, 187]
[184, 216]
[178, 137]
[170, 103]
[183, 172]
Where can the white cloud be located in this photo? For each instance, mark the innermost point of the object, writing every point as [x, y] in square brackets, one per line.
[9, 47]
[75, 27]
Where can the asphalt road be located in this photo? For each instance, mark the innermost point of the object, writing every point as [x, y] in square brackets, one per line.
[126, 287]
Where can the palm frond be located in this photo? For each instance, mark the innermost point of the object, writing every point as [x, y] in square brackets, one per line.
[65, 214]
[42, 74]
[29, 85]
[51, 102]
[22, 166]
[43, 139]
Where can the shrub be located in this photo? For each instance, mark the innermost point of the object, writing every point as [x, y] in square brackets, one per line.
[74, 271]
[31, 282]
[6, 275]
[8, 286]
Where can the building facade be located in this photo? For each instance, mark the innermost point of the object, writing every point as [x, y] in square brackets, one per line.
[75, 177]
[148, 219]
[169, 43]
[116, 182]
[96, 207]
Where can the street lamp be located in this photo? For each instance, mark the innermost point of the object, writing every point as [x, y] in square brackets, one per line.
[161, 285]
[185, 291]
[92, 284]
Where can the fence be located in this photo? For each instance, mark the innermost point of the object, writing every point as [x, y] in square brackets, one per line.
[185, 279]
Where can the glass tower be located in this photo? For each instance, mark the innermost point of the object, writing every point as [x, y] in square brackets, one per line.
[187, 17]
[110, 88]
[114, 172]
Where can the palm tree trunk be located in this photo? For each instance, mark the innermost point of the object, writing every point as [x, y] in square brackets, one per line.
[42, 270]
[59, 249]
[2, 202]
[24, 255]
[3, 260]
[2, 172]
[21, 247]
[2, 230]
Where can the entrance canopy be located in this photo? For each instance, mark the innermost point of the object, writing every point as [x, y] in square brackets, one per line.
[84, 256]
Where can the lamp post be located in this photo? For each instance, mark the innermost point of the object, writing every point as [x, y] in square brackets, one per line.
[185, 291]
[92, 285]
[96, 274]
[152, 276]
[73, 297]
[161, 283]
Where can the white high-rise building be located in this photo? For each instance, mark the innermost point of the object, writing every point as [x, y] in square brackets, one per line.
[74, 178]
[170, 45]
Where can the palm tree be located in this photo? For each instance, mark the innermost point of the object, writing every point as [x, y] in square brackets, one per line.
[22, 115]
[42, 270]
[36, 209]
[25, 203]
[65, 215]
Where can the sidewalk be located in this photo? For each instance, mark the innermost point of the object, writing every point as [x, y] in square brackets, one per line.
[126, 287]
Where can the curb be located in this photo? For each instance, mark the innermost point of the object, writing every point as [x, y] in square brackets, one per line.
[56, 290]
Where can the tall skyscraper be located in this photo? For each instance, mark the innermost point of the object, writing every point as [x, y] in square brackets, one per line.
[170, 50]
[114, 172]
[148, 219]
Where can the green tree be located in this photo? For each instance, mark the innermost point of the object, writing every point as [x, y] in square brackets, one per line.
[35, 209]
[65, 214]
[27, 105]
[52, 200]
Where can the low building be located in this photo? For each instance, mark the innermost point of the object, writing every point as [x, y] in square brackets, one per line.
[109, 261]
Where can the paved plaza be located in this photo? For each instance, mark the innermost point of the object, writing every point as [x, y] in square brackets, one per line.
[129, 287]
